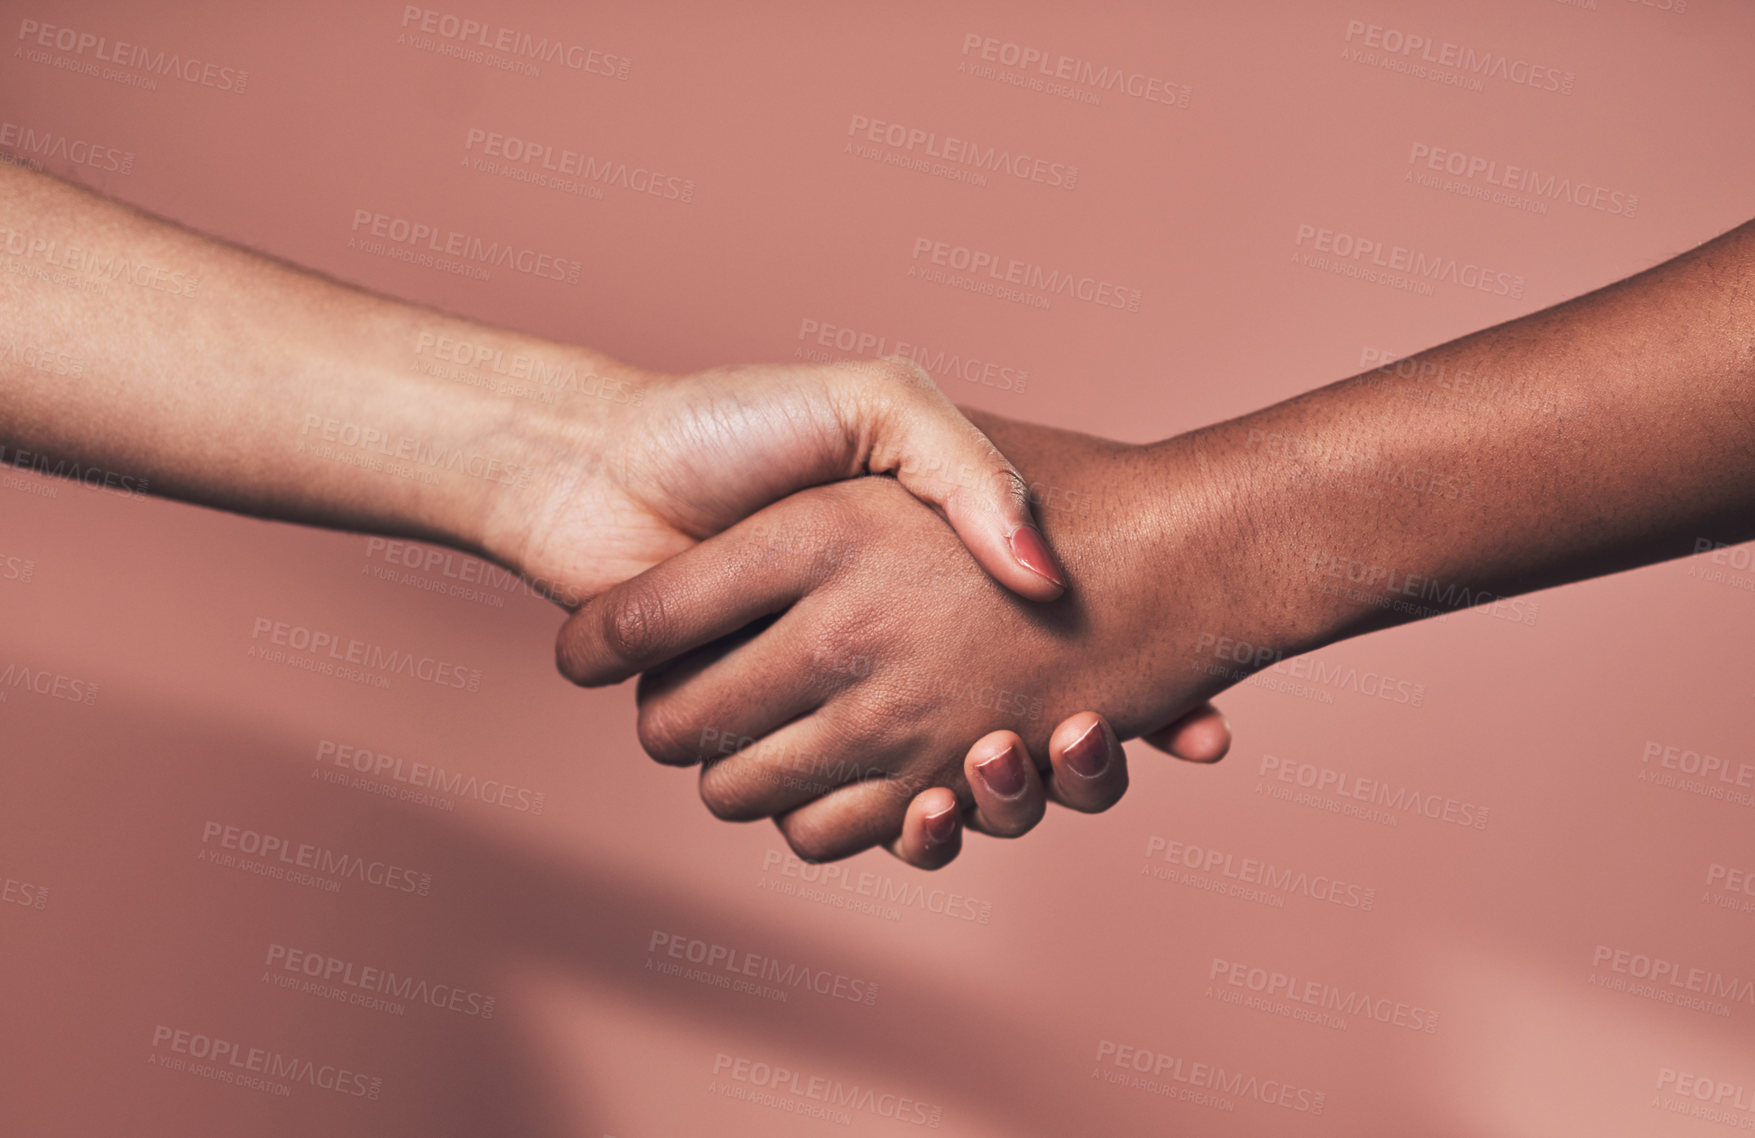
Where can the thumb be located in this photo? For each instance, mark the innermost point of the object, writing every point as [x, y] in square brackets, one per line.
[1201, 736]
[916, 433]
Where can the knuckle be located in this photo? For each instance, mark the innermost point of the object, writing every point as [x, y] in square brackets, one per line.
[1011, 486]
[812, 841]
[900, 693]
[905, 373]
[835, 662]
[569, 659]
[577, 653]
[668, 734]
[731, 794]
[634, 622]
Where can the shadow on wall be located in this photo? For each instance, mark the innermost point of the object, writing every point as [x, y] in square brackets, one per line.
[149, 935]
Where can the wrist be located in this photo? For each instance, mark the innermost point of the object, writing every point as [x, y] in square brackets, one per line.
[532, 428]
[1257, 532]
[1136, 581]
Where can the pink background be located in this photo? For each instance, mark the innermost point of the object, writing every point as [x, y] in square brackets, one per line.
[1008, 989]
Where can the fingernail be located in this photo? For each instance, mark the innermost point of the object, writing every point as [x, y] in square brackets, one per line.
[941, 827]
[1089, 754]
[1003, 773]
[1031, 550]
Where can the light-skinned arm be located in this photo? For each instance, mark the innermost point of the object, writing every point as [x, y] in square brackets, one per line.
[155, 355]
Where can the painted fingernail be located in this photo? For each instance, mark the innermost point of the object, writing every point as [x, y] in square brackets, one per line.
[1003, 773]
[1031, 550]
[941, 827]
[1089, 753]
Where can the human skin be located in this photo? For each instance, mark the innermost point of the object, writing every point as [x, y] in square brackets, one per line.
[1612, 431]
[212, 374]
[223, 377]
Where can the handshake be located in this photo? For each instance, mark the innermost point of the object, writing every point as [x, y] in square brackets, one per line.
[859, 612]
[869, 660]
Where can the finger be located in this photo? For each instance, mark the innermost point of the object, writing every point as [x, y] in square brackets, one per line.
[1009, 799]
[807, 759]
[931, 835]
[694, 598]
[1201, 736]
[943, 459]
[1090, 768]
[871, 813]
[725, 697]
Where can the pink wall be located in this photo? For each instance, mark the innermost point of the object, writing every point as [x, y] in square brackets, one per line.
[1019, 991]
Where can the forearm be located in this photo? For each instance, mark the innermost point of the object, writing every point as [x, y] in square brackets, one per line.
[219, 376]
[1612, 431]
[1609, 432]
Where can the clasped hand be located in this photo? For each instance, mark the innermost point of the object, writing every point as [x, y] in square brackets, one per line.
[839, 660]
